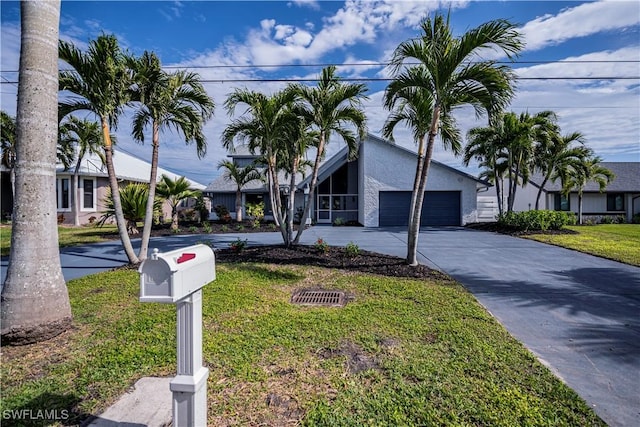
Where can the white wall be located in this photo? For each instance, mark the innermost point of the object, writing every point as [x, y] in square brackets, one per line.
[387, 168]
[525, 197]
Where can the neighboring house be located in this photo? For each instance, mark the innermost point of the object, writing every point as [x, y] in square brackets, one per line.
[620, 198]
[94, 183]
[374, 189]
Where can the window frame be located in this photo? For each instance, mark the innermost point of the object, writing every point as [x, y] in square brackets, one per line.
[94, 208]
[611, 202]
[557, 203]
[59, 194]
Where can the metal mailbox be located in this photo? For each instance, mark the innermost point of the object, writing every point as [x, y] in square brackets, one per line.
[171, 276]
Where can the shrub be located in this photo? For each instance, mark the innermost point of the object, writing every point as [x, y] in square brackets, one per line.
[240, 227]
[238, 245]
[536, 220]
[272, 226]
[255, 211]
[223, 213]
[321, 246]
[352, 250]
[224, 228]
[193, 229]
[338, 221]
[255, 223]
[206, 227]
[636, 219]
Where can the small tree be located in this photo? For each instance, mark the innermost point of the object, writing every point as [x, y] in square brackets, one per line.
[134, 199]
[175, 191]
[241, 176]
[580, 174]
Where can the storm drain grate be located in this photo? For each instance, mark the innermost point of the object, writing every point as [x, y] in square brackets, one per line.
[319, 297]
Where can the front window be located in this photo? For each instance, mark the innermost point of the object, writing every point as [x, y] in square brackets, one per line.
[63, 194]
[88, 194]
[615, 202]
[562, 202]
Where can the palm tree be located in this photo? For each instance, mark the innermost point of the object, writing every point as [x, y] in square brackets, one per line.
[331, 107]
[35, 301]
[413, 107]
[86, 138]
[134, 199]
[452, 71]
[241, 176]
[264, 126]
[556, 153]
[174, 191]
[100, 81]
[580, 174]
[166, 101]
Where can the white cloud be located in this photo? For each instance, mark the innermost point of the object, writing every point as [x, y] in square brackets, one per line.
[311, 4]
[583, 20]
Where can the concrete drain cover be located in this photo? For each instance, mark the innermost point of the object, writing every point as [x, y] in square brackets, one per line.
[318, 297]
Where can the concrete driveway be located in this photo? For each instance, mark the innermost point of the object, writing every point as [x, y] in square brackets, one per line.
[579, 314]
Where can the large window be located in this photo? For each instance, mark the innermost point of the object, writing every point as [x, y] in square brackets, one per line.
[561, 203]
[63, 194]
[88, 194]
[615, 202]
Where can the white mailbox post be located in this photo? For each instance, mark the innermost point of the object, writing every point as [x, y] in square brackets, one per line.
[177, 277]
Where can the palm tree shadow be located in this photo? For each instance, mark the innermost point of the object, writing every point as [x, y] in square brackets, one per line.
[600, 306]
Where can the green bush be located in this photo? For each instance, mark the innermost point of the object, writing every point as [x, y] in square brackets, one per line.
[238, 245]
[255, 211]
[352, 250]
[536, 220]
[339, 221]
[636, 219]
[321, 246]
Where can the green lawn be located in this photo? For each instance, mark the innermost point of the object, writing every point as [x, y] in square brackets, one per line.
[403, 352]
[619, 242]
[67, 236]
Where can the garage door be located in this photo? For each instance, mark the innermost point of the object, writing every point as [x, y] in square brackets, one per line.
[438, 208]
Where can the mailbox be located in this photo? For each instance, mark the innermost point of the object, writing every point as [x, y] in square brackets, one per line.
[171, 276]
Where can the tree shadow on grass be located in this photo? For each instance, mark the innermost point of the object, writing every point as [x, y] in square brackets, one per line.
[598, 307]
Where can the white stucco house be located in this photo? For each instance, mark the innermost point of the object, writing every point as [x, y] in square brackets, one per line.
[620, 198]
[373, 190]
[94, 183]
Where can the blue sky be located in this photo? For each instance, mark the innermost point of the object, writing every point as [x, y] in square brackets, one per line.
[230, 40]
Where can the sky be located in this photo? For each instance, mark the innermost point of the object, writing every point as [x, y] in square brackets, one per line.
[580, 60]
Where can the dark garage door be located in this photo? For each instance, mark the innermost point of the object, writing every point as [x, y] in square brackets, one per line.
[438, 208]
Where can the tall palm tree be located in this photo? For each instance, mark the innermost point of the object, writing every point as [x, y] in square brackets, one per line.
[556, 153]
[174, 191]
[241, 176]
[451, 69]
[264, 127]
[575, 178]
[100, 81]
[35, 302]
[331, 107]
[413, 107]
[166, 101]
[86, 138]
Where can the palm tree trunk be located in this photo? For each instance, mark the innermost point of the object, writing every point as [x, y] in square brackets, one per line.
[414, 226]
[115, 193]
[292, 201]
[544, 182]
[153, 178]
[312, 187]
[238, 205]
[499, 190]
[579, 207]
[416, 180]
[76, 193]
[35, 302]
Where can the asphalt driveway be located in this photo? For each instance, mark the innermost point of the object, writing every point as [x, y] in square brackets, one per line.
[579, 314]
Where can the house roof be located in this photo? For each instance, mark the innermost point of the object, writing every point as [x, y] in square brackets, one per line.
[627, 179]
[127, 167]
[223, 185]
[337, 160]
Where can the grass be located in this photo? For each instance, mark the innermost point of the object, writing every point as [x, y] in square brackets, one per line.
[403, 352]
[619, 242]
[67, 236]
